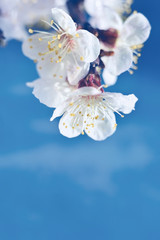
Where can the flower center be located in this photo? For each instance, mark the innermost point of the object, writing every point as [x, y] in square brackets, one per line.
[108, 37]
[60, 43]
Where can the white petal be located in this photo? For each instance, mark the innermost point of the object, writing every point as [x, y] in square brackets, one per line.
[109, 78]
[71, 126]
[33, 48]
[76, 73]
[49, 92]
[64, 20]
[86, 91]
[48, 68]
[104, 126]
[106, 19]
[120, 102]
[136, 29]
[88, 46]
[121, 61]
[93, 7]
[59, 110]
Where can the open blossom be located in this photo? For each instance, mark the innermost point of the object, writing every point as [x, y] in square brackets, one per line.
[15, 15]
[64, 46]
[91, 111]
[125, 40]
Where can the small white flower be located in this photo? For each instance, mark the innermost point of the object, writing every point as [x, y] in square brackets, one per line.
[65, 45]
[15, 15]
[130, 38]
[91, 111]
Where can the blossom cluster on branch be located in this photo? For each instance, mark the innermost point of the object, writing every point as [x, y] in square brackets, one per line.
[83, 48]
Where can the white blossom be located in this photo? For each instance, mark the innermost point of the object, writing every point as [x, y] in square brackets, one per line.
[15, 15]
[91, 111]
[64, 46]
[131, 35]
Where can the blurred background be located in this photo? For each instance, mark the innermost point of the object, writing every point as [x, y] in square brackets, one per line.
[52, 187]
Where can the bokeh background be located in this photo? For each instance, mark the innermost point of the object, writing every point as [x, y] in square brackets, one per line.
[52, 187]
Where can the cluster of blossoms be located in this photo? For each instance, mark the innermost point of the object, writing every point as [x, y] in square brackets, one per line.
[78, 58]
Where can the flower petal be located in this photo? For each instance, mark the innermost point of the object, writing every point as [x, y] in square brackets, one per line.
[86, 91]
[64, 20]
[120, 102]
[104, 126]
[136, 29]
[71, 126]
[76, 73]
[50, 69]
[107, 18]
[88, 46]
[59, 110]
[109, 78]
[120, 62]
[49, 92]
[35, 45]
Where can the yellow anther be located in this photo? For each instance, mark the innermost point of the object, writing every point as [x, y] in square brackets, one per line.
[80, 112]
[122, 116]
[31, 46]
[30, 39]
[105, 86]
[61, 76]
[40, 54]
[96, 117]
[63, 124]
[54, 37]
[35, 60]
[82, 58]
[40, 39]
[54, 75]
[103, 119]
[52, 22]
[72, 114]
[82, 133]
[30, 30]
[42, 59]
[71, 104]
[73, 127]
[88, 105]
[40, 68]
[77, 125]
[49, 43]
[56, 52]
[59, 45]
[135, 12]
[77, 35]
[115, 125]
[59, 36]
[78, 68]
[131, 72]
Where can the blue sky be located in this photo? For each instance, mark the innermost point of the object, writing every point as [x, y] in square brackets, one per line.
[52, 187]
